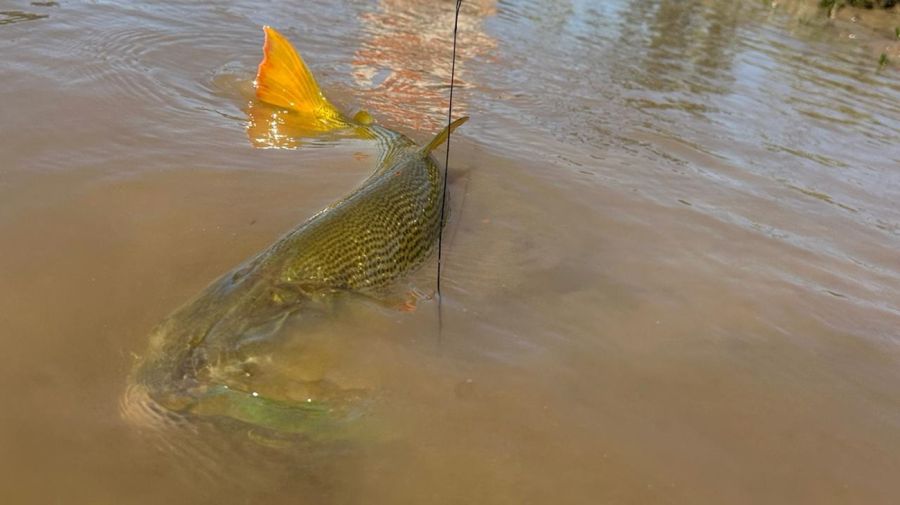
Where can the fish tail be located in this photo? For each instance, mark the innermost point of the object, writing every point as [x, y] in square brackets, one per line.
[284, 80]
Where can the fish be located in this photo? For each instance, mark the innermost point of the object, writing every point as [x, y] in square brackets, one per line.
[360, 245]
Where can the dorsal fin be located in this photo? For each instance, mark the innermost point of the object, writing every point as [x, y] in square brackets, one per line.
[441, 137]
[364, 118]
[284, 80]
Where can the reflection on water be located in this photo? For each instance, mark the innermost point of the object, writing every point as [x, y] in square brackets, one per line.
[671, 271]
[271, 128]
[404, 59]
[7, 17]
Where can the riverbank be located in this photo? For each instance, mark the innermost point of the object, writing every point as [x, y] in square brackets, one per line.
[872, 24]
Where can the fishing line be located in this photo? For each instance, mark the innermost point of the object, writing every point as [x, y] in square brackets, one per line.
[446, 166]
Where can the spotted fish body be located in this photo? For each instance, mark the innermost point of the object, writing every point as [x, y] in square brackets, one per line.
[380, 232]
[361, 244]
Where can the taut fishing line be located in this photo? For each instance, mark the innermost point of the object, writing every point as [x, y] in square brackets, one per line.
[446, 165]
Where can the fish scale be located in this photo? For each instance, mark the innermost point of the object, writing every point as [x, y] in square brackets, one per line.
[381, 231]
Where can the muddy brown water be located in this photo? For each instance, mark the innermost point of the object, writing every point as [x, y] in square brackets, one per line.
[672, 269]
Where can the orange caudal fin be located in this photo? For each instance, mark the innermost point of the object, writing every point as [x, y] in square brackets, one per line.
[284, 80]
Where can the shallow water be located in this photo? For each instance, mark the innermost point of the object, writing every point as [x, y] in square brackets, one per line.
[671, 268]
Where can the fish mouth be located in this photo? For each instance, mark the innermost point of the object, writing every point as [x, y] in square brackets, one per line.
[230, 407]
[139, 408]
[257, 391]
[242, 388]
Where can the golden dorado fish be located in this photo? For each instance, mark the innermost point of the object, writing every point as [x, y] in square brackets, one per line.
[362, 244]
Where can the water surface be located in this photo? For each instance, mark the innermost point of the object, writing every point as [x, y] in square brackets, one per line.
[672, 270]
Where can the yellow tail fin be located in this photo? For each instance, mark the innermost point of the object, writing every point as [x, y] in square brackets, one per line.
[441, 137]
[285, 81]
